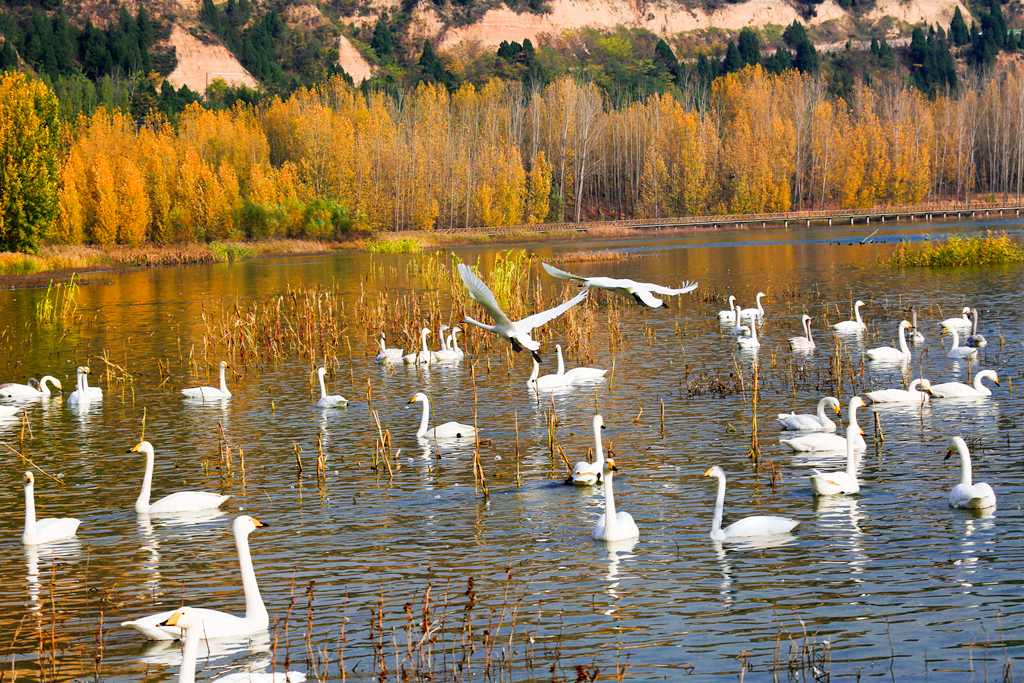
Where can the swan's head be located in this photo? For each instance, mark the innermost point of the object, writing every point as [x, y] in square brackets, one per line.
[856, 402]
[425, 331]
[609, 465]
[731, 300]
[382, 336]
[418, 398]
[806, 318]
[834, 402]
[33, 382]
[184, 618]
[905, 325]
[955, 444]
[246, 525]
[759, 295]
[142, 447]
[223, 364]
[598, 422]
[30, 480]
[854, 431]
[924, 385]
[715, 471]
[321, 371]
[967, 311]
[441, 329]
[858, 304]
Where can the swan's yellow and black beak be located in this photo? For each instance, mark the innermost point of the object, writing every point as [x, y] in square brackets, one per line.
[949, 454]
[997, 381]
[258, 524]
[172, 620]
[945, 330]
[134, 449]
[838, 408]
[708, 473]
[411, 400]
[59, 386]
[610, 462]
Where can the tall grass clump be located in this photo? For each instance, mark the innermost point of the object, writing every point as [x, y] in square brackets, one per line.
[407, 245]
[960, 250]
[60, 303]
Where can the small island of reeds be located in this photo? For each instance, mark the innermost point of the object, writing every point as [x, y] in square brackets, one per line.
[960, 250]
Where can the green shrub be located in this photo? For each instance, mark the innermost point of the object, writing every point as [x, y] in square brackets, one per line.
[406, 245]
[960, 250]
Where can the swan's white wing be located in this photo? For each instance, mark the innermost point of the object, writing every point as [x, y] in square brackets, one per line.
[483, 295]
[669, 291]
[538, 319]
[561, 274]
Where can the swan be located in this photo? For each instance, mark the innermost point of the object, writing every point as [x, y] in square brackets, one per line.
[217, 624]
[962, 324]
[335, 401]
[441, 338]
[750, 342]
[450, 350]
[182, 501]
[966, 494]
[811, 423]
[193, 629]
[449, 430]
[728, 316]
[757, 311]
[612, 525]
[211, 393]
[424, 355]
[915, 335]
[580, 374]
[760, 525]
[919, 392]
[888, 353]
[40, 389]
[547, 382]
[386, 355]
[833, 483]
[831, 442]
[518, 333]
[976, 340]
[84, 393]
[805, 343]
[855, 325]
[641, 292]
[961, 390]
[47, 530]
[589, 473]
[740, 330]
[957, 351]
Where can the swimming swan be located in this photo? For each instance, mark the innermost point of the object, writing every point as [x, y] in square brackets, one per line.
[386, 355]
[961, 390]
[211, 393]
[915, 334]
[966, 494]
[962, 323]
[182, 501]
[449, 430]
[957, 351]
[47, 530]
[12, 390]
[760, 525]
[450, 351]
[84, 393]
[546, 382]
[728, 316]
[580, 374]
[612, 525]
[518, 333]
[855, 325]
[830, 442]
[888, 353]
[750, 342]
[589, 473]
[335, 401]
[192, 626]
[757, 311]
[739, 329]
[641, 292]
[811, 423]
[834, 483]
[976, 340]
[805, 343]
[424, 355]
[919, 392]
[217, 624]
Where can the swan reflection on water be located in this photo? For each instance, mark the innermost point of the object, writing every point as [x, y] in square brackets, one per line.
[836, 512]
[743, 544]
[975, 521]
[618, 552]
[168, 652]
[62, 550]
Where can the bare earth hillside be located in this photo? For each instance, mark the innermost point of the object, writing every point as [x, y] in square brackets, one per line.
[199, 63]
[352, 62]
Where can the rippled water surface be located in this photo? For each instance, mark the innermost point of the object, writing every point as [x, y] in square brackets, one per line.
[888, 584]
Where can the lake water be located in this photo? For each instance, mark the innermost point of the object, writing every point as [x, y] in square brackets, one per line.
[889, 584]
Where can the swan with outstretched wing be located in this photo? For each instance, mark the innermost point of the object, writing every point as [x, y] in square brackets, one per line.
[642, 292]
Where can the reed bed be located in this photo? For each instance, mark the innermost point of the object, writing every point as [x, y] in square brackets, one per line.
[960, 250]
[610, 256]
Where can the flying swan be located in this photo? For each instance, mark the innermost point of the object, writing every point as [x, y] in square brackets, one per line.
[182, 501]
[631, 289]
[760, 525]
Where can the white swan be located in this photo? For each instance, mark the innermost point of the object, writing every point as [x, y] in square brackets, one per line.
[335, 401]
[182, 501]
[834, 483]
[612, 525]
[811, 423]
[739, 329]
[577, 375]
[27, 391]
[641, 292]
[211, 393]
[852, 326]
[750, 342]
[805, 343]
[386, 355]
[449, 430]
[589, 473]
[546, 382]
[915, 334]
[84, 393]
[517, 333]
[888, 353]
[193, 627]
[217, 624]
[47, 530]
[967, 494]
[760, 525]
[961, 390]
[757, 311]
[728, 316]
[450, 350]
[830, 442]
[975, 340]
[919, 392]
[962, 323]
[957, 351]
[424, 355]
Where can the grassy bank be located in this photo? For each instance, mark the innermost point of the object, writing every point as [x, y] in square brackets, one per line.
[960, 250]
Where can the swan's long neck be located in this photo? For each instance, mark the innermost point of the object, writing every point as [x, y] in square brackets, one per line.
[81, 385]
[483, 326]
[904, 349]
[254, 607]
[441, 340]
[956, 339]
[455, 341]
[224, 382]
[187, 673]
[383, 347]
[853, 417]
[716, 522]
[598, 448]
[851, 465]
[822, 417]
[974, 321]
[561, 363]
[978, 386]
[43, 388]
[142, 502]
[856, 313]
[30, 514]
[760, 310]
[913, 317]
[965, 463]
[534, 373]
[423, 420]
[807, 326]
[753, 329]
[610, 522]
[424, 349]
[85, 383]
[323, 387]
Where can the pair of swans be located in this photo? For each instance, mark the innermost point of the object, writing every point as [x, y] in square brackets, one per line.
[855, 326]
[33, 389]
[641, 292]
[811, 423]
[449, 347]
[190, 622]
[448, 430]
[919, 392]
[589, 473]
[211, 393]
[516, 333]
[805, 343]
[961, 390]
[49, 530]
[562, 378]
[888, 354]
[753, 313]
[182, 501]
[328, 401]
[957, 351]
[831, 442]
[835, 483]
[213, 623]
[760, 525]
[84, 393]
[967, 494]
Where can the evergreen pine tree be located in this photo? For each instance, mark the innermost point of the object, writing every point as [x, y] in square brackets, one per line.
[732, 61]
[749, 46]
[958, 30]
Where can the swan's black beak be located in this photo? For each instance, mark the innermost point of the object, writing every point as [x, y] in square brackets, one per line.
[536, 357]
[602, 426]
[949, 454]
